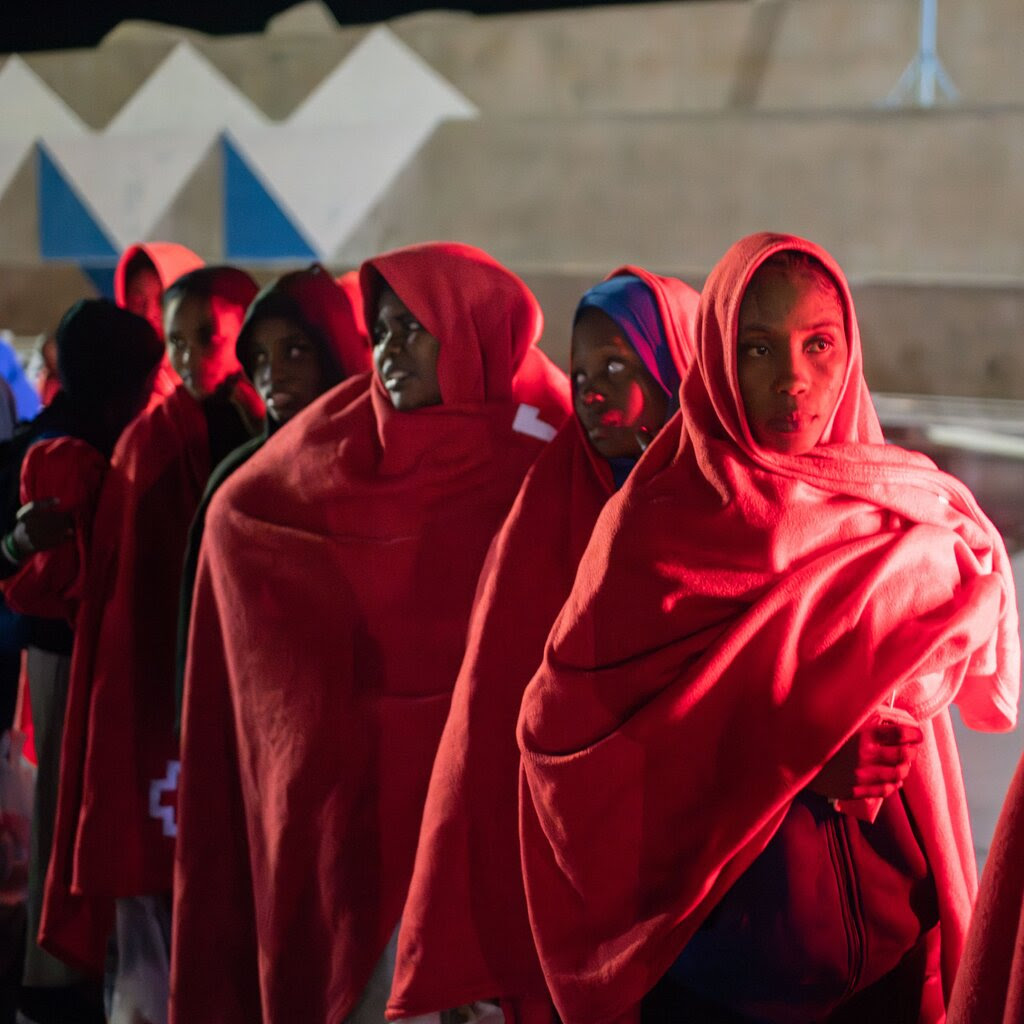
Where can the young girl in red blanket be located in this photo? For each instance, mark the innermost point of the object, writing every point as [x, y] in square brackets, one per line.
[115, 821]
[716, 813]
[303, 334]
[332, 595]
[106, 360]
[465, 935]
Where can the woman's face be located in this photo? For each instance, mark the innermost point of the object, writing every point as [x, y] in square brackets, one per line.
[405, 355]
[791, 357]
[201, 354]
[617, 401]
[286, 367]
[142, 295]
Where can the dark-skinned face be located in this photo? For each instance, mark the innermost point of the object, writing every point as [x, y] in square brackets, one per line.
[617, 401]
[405, 355]
[200, 353]
[142, 295]
[791, 357]
[286, 367]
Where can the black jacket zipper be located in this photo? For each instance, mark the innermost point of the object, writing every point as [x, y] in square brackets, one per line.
[837, 830]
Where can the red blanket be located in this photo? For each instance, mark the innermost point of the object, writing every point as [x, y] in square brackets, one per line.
[736, 617]
[332, 596]
[465, 934]
[114, 829]
[989, 987]
[51, 583]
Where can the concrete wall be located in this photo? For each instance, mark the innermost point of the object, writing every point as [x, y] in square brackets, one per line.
[892, 194]
[653, 133]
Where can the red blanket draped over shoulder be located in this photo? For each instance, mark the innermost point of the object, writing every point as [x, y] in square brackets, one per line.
[737, 615]
[990, 983]
[51, 583]
[333, 591]
[465, 933]
[119, 733]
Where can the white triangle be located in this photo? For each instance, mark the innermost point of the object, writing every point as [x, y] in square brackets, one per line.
[130, 181]
[186, 94]
[382, 79]
[11, 156]
[29, 108]
[327, 181]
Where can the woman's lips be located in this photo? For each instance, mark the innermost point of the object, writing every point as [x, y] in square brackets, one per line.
[394, 379]
[281, 400]
[790, 423]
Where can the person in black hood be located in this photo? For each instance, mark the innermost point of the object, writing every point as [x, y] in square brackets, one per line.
[303, 334]
[107, 359]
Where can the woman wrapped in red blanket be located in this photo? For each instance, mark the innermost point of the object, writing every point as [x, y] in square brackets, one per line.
[107, 359]
[772, 586]
[332, 595]
[115, 820]
[465, 935]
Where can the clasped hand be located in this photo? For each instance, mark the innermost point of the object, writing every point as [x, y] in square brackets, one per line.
[873, 762]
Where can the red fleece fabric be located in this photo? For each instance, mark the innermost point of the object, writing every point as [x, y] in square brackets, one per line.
[349, 284]
[465, 934]
[333, 592]
[119, 753]
[171, 261]
[119, 731]
[51, 583]
[989, 986]
[737, 615]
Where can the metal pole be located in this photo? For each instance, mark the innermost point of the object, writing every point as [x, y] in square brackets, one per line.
[924, 76]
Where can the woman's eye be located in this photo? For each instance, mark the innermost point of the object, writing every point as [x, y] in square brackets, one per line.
[616, 366]
[259, 357]
[820, 344]
[296, 351]
[413, 325]
[755, 350]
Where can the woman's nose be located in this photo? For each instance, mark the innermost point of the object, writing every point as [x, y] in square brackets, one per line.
[393, 341]
[792, 378]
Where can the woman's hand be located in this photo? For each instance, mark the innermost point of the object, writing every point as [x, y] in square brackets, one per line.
[41, 525]
[873, 762]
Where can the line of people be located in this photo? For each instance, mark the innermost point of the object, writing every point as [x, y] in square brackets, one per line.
[383, 672]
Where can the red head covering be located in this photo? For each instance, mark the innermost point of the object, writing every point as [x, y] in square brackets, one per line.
[467, 373]
[331, 313]
[737, 615]
[331, 602]
[115, 824]
[171, 261]
[349, 284]
[465, 934]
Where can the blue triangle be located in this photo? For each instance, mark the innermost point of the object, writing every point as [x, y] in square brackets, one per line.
[255, 227]
[67, 229]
